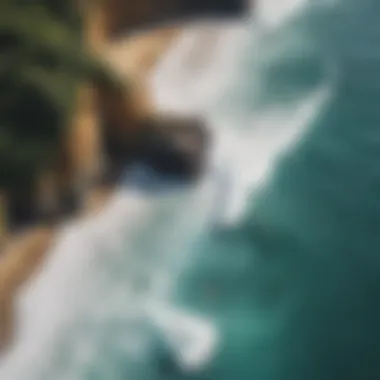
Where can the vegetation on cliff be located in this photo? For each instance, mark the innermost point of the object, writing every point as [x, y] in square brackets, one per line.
[42, 62]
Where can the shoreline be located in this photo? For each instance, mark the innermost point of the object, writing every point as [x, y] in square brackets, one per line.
[22, 255]
[137, 55]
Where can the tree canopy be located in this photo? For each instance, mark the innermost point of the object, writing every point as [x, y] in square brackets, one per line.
[42, 61]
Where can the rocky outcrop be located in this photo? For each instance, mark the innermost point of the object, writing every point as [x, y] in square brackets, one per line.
[118, 124]
[175, 146]
[107, 121]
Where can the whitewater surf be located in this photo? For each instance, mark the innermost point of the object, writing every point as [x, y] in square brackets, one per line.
[108, 281]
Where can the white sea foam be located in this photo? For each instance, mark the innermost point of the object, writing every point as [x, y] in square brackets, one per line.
[117, 268]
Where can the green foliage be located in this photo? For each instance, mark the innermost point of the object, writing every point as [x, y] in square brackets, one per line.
[42, 61]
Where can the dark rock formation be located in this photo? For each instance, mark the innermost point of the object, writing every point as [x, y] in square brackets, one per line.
[175, 146]
[172, 146]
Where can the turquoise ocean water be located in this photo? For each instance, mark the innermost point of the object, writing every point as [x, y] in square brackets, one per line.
[289, 290]
[294, 287]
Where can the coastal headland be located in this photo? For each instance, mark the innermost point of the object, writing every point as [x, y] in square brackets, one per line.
[104, 134]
